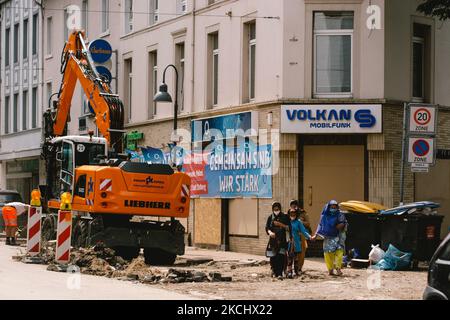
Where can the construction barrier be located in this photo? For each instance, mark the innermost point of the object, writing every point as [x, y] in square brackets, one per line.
[34, 230]
[64, 233]
[64, 230]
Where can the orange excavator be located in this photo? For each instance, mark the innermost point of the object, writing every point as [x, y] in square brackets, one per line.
[115, 201]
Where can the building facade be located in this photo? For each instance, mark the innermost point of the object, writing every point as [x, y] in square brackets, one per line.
[299, 68]
[21, 95]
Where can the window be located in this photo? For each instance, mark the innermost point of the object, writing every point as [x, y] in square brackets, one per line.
[25, 40]
[7, 106]
[16, 43]
[153, 63]
[154, 11]
[24, 110]
[49, 35]
[421, 63]
[213, 69]
[179, 55]
[210, 2]
[15, 112]
[34, 108]
[418, 67]
[7, 46]
[445, 253]
[249, 62]
[128, 16]
[128, 86]
[35, 33]
[85, 16]
[333, 42]
[105, 15]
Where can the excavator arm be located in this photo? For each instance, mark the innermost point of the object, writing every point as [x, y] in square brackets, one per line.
[77, 65]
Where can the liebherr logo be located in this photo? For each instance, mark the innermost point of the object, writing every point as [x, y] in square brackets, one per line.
[147, 204]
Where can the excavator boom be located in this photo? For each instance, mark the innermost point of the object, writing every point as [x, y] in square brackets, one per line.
[77, 65]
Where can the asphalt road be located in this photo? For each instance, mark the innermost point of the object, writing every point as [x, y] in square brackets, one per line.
[30, 282]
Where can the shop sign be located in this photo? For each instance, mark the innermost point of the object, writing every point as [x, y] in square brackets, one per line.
[238, 172]
[100, 50]
[225, 127]
[422, 119]
[325, 119]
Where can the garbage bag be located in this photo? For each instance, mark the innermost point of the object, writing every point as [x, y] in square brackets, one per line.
[395, 260]
[376, 254]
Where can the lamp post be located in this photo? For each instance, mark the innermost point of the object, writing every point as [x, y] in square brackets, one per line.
[164, 96]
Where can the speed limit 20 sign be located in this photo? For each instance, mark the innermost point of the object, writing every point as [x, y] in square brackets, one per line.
[422, 119]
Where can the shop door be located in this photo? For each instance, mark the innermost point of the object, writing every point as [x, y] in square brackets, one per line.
[331, 172]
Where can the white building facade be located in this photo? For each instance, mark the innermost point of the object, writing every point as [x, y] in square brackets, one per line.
[265, 57]
[21, 94]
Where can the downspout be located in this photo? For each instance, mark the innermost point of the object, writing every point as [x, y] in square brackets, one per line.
[191, 234]
[41, 53]
[193, 57]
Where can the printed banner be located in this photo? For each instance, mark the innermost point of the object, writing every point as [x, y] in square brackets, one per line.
[244, 172]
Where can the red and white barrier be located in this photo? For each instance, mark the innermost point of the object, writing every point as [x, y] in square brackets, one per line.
[34, 230]
[63, 236]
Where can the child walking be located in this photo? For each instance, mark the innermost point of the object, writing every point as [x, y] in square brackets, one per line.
[295, 244]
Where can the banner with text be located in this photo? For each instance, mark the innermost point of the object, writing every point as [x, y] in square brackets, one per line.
[231, 173]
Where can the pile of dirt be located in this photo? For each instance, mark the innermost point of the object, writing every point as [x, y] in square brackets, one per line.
[102, 261]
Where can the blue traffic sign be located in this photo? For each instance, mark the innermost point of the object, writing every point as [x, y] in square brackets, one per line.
[104, 72]
[101, 50]
[421, 148]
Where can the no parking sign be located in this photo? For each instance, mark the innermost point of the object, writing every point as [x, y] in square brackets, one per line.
[422, 119]
[421, 151]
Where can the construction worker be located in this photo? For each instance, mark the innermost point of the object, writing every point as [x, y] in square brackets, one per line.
[10, 213]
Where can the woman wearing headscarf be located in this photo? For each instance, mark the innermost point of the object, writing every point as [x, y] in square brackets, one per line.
[278, 229]
[331, 227]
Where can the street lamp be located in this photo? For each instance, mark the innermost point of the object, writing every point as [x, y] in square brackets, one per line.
[164, 96]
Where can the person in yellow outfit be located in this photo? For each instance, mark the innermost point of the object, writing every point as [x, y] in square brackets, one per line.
[10, 212]
[332, 228]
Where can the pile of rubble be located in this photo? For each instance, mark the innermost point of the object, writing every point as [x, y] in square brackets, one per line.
[102, 261]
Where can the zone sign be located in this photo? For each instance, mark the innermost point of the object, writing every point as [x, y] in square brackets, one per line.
[422, 119]
[421, 151]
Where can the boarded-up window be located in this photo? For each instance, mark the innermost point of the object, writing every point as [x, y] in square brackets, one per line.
[243, 217]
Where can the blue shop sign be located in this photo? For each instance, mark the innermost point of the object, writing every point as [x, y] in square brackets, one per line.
[331, 118]
[101, 50]
[225, 127]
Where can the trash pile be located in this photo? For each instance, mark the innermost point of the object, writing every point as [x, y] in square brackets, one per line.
[421, 207]
[393, 259]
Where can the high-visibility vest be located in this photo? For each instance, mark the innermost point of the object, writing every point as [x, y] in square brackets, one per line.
[9, 216]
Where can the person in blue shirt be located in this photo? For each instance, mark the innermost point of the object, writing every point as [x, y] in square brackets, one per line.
[332, 228]
[295, 243]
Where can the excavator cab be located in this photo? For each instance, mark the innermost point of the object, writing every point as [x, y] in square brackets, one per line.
[71, 153]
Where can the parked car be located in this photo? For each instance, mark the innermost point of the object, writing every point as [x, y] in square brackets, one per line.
[7, 196]
[438, 287]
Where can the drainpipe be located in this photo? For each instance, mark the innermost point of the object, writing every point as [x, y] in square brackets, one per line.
[41, 52]
[192, 106]
[193, 56]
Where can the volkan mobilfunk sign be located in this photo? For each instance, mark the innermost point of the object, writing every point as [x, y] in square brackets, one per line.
[345, 118]
[421, 150]
[422, 119]
[101, 50]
